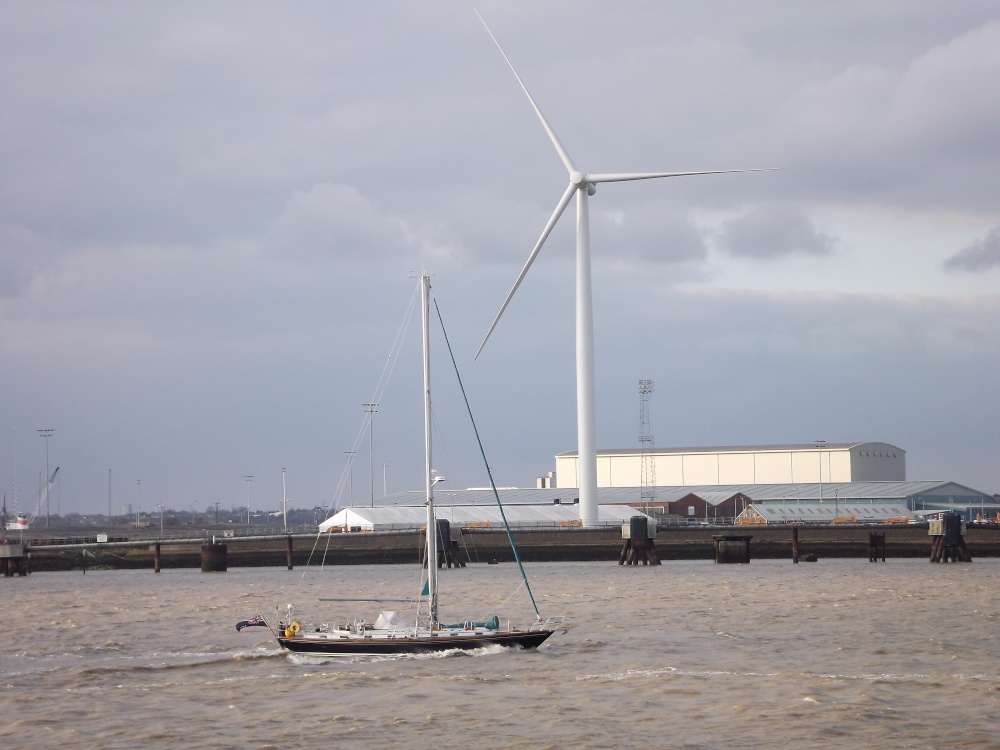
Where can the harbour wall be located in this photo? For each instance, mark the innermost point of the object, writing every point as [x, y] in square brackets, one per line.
[491, 545]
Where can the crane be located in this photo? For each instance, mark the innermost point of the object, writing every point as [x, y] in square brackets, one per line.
[41, 498]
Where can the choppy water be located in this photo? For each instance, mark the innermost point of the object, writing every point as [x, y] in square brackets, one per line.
[840, 653]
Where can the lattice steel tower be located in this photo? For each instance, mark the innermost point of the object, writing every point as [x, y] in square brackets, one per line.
[647, 494]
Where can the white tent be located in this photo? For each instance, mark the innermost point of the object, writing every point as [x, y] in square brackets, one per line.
[410, 518]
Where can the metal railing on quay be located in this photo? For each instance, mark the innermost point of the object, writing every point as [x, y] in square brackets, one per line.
[126, 536]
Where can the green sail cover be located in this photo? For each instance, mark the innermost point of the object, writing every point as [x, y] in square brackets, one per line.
[491, 624]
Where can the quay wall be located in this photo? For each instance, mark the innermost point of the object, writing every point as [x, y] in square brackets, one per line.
[490, 545]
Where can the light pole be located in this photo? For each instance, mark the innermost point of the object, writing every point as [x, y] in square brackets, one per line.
[47, 433]
[371, 409]
[248, 478]
[160, 506]
[284, 501]
[819, 448]
[385, 485]
[138, 499]
[350, 471]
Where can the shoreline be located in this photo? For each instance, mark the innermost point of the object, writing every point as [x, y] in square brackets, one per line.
[482, 546]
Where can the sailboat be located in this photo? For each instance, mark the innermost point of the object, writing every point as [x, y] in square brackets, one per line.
[390, 633]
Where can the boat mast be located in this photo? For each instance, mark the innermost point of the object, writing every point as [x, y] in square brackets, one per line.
[432, 589]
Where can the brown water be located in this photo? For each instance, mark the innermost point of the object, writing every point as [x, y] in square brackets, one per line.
[840, 653]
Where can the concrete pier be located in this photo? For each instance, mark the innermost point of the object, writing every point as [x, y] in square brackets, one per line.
[948, 539]
[876, 547]
[732, 548]
[639, 545]
[13, 560]
[214, 558]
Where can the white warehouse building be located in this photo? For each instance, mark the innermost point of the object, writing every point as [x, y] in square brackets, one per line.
[751, 464]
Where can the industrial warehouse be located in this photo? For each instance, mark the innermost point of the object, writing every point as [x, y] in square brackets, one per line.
[755, 464]
[742, 485]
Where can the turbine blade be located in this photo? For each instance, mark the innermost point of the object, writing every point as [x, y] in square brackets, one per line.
[627, 176]
[567, 162]
[560, 207]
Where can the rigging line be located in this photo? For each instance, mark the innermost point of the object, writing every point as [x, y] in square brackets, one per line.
[512, 593]
[397, 344]
[489, 472]
[383, 382]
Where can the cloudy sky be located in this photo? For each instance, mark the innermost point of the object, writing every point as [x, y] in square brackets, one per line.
[211, 213]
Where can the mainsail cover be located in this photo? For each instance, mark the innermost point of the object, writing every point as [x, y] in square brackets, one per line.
[389, 619]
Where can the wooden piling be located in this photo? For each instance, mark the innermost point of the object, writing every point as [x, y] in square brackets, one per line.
[947, 540]
[876, 546]
[795, 544]
[156, 557]
[449, 546]
[288, 551]
[449, 550]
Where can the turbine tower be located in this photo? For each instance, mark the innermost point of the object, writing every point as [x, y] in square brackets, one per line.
[582, 186]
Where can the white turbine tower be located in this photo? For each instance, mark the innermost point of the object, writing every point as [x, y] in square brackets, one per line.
[582, 186]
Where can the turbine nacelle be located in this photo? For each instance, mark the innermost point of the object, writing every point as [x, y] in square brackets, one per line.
[579, 179]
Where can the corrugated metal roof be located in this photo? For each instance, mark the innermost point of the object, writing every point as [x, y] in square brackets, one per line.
[826, 512]
[737, 448]
[712, 493]
[854, 490]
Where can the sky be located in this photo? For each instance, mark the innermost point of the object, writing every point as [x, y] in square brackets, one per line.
[212, 215]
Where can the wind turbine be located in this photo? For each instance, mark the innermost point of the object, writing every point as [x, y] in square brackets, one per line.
[581, 185]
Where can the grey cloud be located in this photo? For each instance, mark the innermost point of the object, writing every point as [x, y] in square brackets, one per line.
[334, 222]
[23, 255]
[947, 96]
[769, 232]
[650, 233]
[981, 255]
[908, 132]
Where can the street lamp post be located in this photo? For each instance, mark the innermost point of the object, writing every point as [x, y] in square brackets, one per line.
[138, 501]
[819, 448]
[371, 409]
[284, 501]
[350, 471]
[385, 483]
[248, 478]
[47, 433]
[160, 506]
